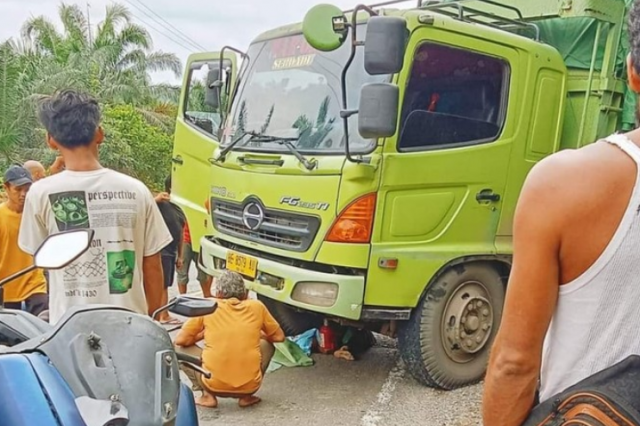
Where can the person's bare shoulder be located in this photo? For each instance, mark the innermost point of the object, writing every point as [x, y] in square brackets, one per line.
[560, 184]
[579, 174]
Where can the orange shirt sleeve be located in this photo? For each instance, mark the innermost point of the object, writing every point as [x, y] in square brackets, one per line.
[190, 330]
[270, 327]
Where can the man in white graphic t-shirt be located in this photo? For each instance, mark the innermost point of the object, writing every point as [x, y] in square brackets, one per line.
[123, 266]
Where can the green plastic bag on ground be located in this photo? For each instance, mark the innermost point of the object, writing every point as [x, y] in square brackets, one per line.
[288, 354]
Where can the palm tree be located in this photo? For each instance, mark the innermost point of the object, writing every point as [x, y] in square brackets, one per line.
[22, 76]
[114, 63]
[12, 123]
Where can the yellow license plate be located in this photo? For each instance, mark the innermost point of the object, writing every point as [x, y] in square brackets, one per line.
[244, 265]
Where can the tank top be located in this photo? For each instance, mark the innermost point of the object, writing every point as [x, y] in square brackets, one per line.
[597, 319]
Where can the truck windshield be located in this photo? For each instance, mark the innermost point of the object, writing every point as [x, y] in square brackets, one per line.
[291, 89]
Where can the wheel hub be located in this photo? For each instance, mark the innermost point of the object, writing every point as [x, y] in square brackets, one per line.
[467, 322]
[474, 325]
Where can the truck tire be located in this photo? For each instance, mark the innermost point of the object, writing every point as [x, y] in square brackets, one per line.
[445, 344]
[293, 322]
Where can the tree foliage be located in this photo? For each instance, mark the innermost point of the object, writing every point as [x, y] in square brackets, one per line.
[134, 146]
[113, 61]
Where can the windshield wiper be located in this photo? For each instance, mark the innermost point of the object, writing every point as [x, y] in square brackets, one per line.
[258, 137]
[308, 164]
[229, 147]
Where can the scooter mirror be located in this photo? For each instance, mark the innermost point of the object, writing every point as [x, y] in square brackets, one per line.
[59, 250]
[191, 307]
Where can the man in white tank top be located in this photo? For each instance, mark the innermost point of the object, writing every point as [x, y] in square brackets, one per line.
[573, 300]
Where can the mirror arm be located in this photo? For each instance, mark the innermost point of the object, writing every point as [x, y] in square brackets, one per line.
[195, 368]
[10, 278]
[360, 7]
[18, 274]
[171, 303]
[243, 55]
[345, 114]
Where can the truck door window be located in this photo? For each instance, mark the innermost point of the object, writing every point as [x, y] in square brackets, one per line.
[196, 110]
[454, 97]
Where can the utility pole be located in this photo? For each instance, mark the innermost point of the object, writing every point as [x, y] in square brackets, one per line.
[89, 22]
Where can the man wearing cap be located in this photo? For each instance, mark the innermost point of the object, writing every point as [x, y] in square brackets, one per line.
[30, 288]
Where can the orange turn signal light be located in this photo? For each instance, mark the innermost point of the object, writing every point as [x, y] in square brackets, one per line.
[355, 223]
[207, 205]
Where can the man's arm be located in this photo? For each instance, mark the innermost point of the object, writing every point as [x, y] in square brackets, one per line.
[162, 197]
[180, 260]
[57, 166]
[531, 297]
[153, 281]
[272, 331]
[191, 332]
[156, 237]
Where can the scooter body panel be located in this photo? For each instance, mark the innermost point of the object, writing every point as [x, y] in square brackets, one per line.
[187, 413]
[18, 326]
[60, 396]
[23, 402]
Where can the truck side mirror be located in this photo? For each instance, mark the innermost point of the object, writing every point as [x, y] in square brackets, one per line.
[378, 113]
[385, 45]
[213, 90]
[324, 27]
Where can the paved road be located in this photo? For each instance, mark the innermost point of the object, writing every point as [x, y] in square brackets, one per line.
[372, 391]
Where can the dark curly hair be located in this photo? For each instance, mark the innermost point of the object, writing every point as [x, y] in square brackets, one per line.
[70, 117]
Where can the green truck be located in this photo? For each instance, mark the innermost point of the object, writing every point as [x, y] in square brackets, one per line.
[364, 166]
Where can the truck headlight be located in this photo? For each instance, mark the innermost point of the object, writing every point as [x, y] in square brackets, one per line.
[316, 293]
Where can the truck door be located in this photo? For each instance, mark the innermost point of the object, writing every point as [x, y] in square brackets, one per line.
[444, 177]
[196, 138]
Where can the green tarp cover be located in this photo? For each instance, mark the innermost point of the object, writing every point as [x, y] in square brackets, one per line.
[289, 354]
[574, 39]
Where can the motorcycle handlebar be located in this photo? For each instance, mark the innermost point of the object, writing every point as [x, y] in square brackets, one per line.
[193, 363]
[189, 358]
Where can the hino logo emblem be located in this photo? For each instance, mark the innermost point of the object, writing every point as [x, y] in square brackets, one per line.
[252, 216]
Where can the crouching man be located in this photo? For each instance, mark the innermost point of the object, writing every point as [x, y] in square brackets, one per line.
[238, 344]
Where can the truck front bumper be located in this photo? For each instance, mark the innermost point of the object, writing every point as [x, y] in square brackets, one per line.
[332, 294]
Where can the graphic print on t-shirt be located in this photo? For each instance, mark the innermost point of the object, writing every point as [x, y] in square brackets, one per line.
[93, 266]
[120, 266]
[109, 267]
[70, 210]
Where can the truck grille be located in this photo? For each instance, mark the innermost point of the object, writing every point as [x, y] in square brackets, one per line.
[278, 229]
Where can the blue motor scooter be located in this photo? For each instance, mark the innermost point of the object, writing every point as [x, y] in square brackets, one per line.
[99, 365]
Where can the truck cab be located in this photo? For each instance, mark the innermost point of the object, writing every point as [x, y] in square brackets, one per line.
[369, 163]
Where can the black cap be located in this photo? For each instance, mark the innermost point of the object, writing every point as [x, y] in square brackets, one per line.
[17, 176]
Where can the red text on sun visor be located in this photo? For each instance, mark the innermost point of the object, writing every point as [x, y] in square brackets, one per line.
[289, 46]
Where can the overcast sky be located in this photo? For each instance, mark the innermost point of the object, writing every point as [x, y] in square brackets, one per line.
[210, 24]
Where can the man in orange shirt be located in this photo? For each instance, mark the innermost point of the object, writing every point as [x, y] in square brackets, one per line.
[31, 288]
[238, 343]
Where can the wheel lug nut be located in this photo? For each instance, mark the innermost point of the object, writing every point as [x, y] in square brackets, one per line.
[485, 312]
